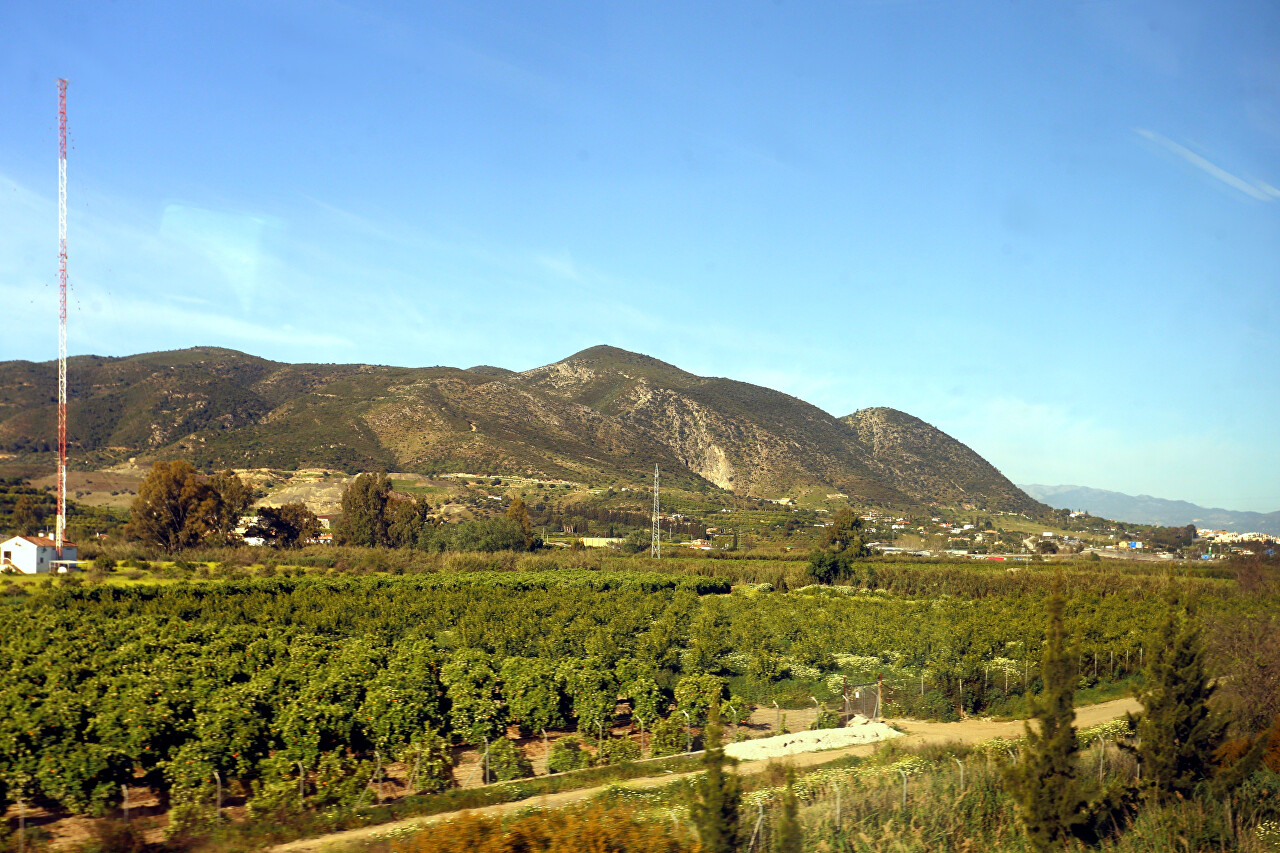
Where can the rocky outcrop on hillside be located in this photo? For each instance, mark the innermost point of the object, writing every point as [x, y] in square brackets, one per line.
[931, 465]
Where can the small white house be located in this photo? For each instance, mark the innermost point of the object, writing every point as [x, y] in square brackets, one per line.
[35, 555]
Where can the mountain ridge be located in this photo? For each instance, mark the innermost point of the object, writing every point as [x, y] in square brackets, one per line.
[1146, 509]
[600, 415]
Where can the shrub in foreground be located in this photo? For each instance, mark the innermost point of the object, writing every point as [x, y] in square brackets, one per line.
[593, 827]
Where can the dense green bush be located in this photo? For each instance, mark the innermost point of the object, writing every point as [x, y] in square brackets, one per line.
[429, 763]
[669, 736]
[616, 750]
[507, 761]
[567, 754]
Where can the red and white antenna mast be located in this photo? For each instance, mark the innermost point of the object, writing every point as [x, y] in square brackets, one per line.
[61, 529]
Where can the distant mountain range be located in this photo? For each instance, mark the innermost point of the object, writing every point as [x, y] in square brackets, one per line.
[599, 416]
[1144, 509]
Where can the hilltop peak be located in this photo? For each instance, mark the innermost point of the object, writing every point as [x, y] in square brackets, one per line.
[611, 357]
[886, 414]
[490, 370]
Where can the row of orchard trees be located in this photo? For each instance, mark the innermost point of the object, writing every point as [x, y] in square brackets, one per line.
[260, 680]
[163, 687]
[306, 705]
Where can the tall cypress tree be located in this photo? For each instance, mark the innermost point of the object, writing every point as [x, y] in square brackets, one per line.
[1177, 733]
[787, 836]
[1046, 788]
[715, 810]
[519, 513]
[364, 511]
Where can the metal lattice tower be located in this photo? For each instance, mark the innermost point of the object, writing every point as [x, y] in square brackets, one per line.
[61, 528]
[655, 546]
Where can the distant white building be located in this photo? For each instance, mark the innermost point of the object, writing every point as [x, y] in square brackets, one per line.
[602, 541]
[32, 555]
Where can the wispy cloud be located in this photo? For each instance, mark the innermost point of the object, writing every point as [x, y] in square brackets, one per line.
[132, 315]
[231, 243]
[1268, 189]
[197, 276]
[562, 265]
[1260, 190]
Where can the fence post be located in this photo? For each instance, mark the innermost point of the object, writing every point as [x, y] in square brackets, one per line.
[837, 805]
[302, 781]
[217, 811]
[961, 766]
[124, 794]
[1102, 756]
[755, 833]
[904, 787]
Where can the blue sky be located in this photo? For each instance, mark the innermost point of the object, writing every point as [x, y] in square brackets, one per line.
[1050, 229]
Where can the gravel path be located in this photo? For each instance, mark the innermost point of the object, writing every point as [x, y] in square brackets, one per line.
[860, 730]
[916, 733]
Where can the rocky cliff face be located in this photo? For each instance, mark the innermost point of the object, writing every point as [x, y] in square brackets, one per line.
[742, 437]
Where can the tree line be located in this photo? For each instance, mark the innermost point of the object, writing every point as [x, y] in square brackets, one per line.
[178, 508]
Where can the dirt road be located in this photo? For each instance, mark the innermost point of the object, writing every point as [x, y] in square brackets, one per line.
[918, 733]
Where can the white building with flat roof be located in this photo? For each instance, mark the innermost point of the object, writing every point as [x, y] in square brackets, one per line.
[32, 555]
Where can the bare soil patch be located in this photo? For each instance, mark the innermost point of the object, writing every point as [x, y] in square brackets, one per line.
[97, 488]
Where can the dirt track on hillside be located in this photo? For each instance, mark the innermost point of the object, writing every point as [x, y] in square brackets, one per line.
[918, 733]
